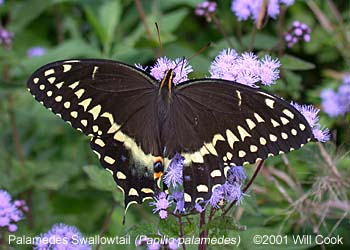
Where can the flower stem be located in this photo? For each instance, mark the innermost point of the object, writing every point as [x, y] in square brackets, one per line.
[143, 18]
[280, 31]
[202, 245]
[106, 223]
[18, 146]
[256, 171]
[181, 227]
[222, 30]
[252, 38]
[3, 241]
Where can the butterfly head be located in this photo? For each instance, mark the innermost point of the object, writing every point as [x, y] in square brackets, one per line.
[168, 79]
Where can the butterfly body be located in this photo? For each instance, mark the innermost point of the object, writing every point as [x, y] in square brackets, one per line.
[137, 123]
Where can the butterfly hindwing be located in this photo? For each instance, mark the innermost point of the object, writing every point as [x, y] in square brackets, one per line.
[200, 179]
[133, 177]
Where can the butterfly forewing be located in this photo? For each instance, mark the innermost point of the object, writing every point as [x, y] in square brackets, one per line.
[89, 93]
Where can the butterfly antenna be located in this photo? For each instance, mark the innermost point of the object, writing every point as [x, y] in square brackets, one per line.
[159, 40]
[200, 51]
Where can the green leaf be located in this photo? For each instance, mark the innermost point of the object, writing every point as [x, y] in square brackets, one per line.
[25, 12]
[100, 178]
[57, 175]
[173, 19]
[261, 41]
[109, 16]
[143, 229]
[293, 63]
[169, 226]
[221, 225]
[95, 23]
[70, 49]
[171, 4]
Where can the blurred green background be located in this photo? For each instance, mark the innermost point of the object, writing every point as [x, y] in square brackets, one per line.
[50, 165]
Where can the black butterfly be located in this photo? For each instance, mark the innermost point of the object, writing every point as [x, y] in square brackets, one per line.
[137, 124]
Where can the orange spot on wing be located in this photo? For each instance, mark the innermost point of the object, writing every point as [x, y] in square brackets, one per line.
[157, 176]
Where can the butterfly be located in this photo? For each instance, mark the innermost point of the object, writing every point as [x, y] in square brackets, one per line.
[137, 124]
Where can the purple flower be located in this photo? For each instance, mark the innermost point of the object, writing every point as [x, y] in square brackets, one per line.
[163, 214]
[321, 135]
[61, 237]
[248, 69]
[173, 244]
[178, 198]
[198, 208]
[337, 103]
[330, 103]
[6, 38]
[161, 203]
[287, 2]
[346, 79]
[233, 192]
[153, 246]
[309, 112]
[1, 2]
[173, 175]
[298, 31]
[217, 196]
[235, 175]
[205, 8]
[245, 68]
[10, 213]
[223, 66]
[36, 51]
[180, 67]
[269, 71]
[311, 115]
[244, 9]
[273, 9]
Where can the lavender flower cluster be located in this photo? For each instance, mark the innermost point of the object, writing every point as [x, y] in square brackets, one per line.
[298, 31]
[337, 103]
[245, 9]
[36, 51]
[205, 8]
[5, 37]
[245, 68]
[10, 212]
[180, 66]
[230, 190]
[61, 237]
[311, 115]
